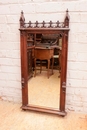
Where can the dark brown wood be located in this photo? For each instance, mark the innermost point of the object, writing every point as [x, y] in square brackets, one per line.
[22, 19]
[24, 71]
[66, 20]
[28, 39]
[50, 24]
[45, 110]
[45, 30]
[63, 73]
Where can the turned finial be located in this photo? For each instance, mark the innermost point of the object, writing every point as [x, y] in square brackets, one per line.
[43, 24]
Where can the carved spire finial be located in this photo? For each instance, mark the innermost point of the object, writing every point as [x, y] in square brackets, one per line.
[22, 19]
[66, 21]
[67, 14]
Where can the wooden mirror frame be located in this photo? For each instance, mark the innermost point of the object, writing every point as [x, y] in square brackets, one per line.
[60, 28]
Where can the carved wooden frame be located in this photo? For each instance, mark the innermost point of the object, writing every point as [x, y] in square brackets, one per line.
[58, 28]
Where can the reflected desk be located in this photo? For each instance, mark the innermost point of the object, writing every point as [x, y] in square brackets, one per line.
[44, 53]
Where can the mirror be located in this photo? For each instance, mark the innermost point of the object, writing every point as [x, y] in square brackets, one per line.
[44, 91]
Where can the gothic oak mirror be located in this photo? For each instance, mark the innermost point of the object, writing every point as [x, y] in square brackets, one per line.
[44, 65]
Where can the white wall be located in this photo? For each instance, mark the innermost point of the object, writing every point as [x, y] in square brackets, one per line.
[10, 70]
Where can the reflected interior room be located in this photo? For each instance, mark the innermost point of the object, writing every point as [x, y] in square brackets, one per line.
[45, 69]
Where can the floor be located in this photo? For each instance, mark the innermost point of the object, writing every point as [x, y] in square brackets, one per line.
[13, 118]
[43, 91]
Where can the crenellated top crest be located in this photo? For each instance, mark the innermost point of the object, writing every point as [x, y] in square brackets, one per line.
[44, 24]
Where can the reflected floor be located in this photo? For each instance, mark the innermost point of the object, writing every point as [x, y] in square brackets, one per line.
[43, 91]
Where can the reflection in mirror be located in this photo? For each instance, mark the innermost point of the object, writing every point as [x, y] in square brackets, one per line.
[44, 90]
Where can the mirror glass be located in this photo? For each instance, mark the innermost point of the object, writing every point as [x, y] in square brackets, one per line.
[44, 91]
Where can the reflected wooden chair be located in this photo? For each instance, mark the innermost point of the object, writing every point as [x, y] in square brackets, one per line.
[43, 53]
